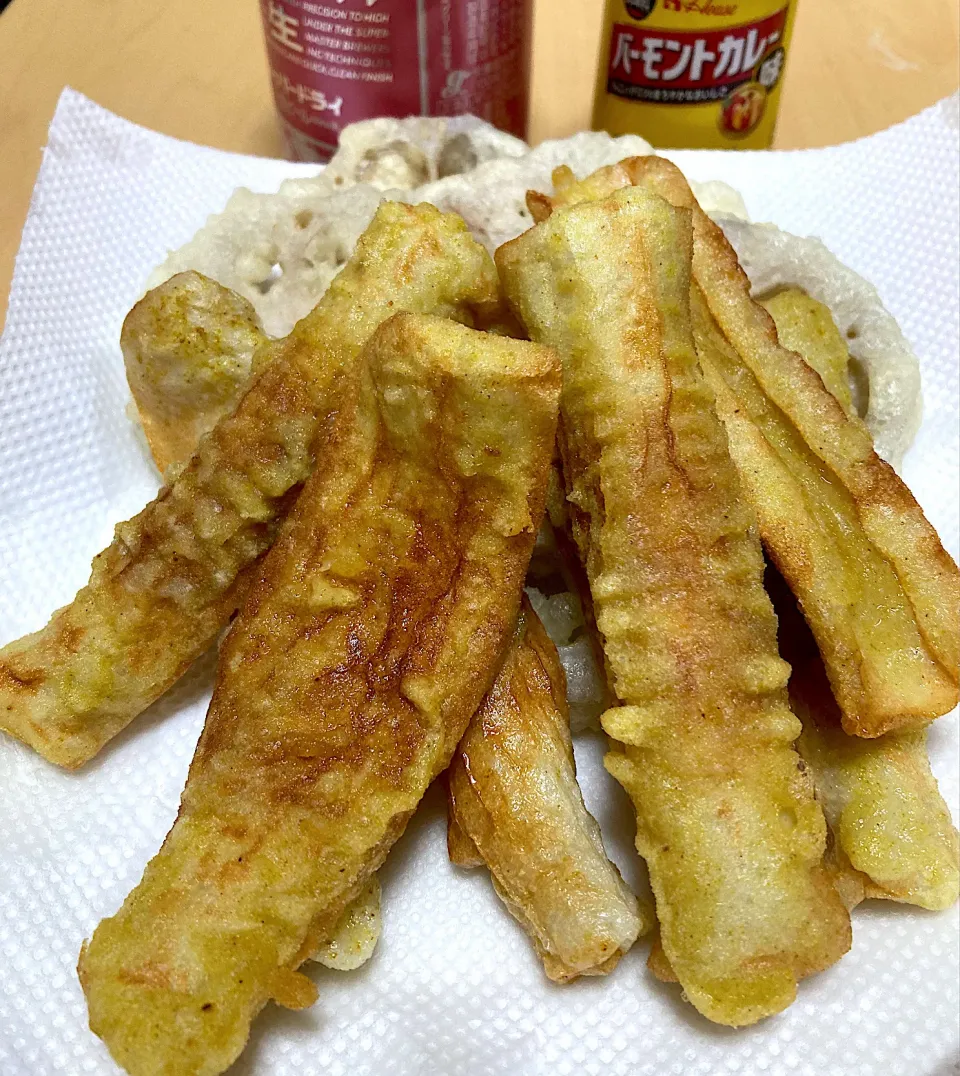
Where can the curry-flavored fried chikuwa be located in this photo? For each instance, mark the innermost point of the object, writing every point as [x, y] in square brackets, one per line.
[190, 347]
[378, 621]
[876, 586]
[703, 738]
[161, 593]
[516, 806]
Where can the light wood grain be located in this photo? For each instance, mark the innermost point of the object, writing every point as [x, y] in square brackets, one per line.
[197, 70]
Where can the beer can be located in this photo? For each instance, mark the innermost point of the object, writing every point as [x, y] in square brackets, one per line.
[693, 73]
[334, 62]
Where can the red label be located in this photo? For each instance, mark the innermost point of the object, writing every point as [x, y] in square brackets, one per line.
[338, 61]
[690, 66]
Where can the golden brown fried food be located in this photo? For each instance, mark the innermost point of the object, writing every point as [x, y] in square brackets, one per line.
[807, 327]
[703, 743]
[188, 348]
[892, 833]
[516, 806]
[882, 660]
[161, 593]
[880, 798]
[876, 586]
[379, 621]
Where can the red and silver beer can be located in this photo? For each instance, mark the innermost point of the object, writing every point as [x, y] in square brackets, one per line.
[334, 62]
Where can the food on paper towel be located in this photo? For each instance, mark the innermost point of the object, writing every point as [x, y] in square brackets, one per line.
[516, 806]
[891, 832]
[190, 335]
[376, 625]
[188, 347]
[162, 592]
[281, 250]
[876, 586]
[721, 790]
[703, 738]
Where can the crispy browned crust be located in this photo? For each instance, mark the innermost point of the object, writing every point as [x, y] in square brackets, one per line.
[845, 532]
[189, 348]
[379, 621]
[726, 817]
[658, 964]
[881, 800]
[460, 848]
[161, 593]
[514, 797]
[538, 205]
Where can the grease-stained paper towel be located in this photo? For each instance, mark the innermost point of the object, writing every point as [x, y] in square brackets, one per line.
[454, 987]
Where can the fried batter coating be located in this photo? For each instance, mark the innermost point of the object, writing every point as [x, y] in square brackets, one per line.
[516, 806]
[878, 589]
[188, 348]
[187, 353]
[892, 834]
[807, 327]
[161, 593]
[379, 621]
[880, 798]
[703, 743]
[872, 633]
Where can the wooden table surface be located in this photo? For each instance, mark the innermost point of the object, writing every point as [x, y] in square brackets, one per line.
[197, 70]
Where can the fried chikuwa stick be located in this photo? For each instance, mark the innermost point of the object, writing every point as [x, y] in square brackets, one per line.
[379, 621]
[516, 806]
[161, 593]
[876, 586]
[188, 346]
[703, 740]
[892, 836]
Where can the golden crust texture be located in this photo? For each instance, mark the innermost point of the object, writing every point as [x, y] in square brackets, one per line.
[891, 834]
[807, 327]
[875, 584]
[188, 349]
[703, 743]
[160, 594]
[378, 622]
[187, 352]
[514, 800]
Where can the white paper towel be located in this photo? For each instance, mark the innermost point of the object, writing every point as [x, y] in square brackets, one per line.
[454, 987]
